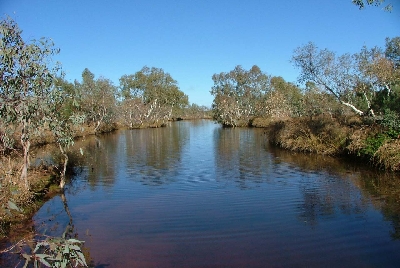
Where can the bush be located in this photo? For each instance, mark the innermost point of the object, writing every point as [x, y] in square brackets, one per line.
[388, 155]
[323, 135]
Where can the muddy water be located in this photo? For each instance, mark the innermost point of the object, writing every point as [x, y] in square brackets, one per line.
[197, 195]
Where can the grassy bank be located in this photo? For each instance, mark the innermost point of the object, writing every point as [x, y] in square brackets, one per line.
[353, 136]
[16, 204]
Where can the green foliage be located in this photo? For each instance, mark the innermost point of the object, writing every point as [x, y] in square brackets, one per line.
[57, 252]
[195, 111]
[72, 96]
[26, 84]
[9, 206]
[391, 121]
[150, 95]
[391, 124]
[97, 99]
[372, 144]
[237, 95]
[284, 100]
[392, 50]
[26, 80]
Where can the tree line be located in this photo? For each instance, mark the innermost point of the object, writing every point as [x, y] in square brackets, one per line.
[36, 99]
[364, 84]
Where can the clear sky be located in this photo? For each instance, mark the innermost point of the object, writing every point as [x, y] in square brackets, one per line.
[194, 39]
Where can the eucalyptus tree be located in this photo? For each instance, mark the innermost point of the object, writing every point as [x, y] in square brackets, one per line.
[61, 127]
[335, 74]
[284, 99]
[387, 74]
[237, 95]
[196, 111]
[27, 78]
[98, 100]
[156, 89]
[354, 80]
[392, 51]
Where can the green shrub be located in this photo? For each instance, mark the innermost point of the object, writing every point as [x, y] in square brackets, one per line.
[372, 144]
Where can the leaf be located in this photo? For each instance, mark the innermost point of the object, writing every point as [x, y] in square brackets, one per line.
[8, 212]
[72, 240]
[42, 259]
[12, 205]
[66, 250]
[81, 257]
[75, 247]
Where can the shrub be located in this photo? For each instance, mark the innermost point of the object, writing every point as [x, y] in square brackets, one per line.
[388, 155]
[323, 135]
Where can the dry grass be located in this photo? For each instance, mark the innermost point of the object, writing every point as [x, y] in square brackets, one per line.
[13, 189]
[322, 135]
[388, 155]
[335, 136]
[263, 121]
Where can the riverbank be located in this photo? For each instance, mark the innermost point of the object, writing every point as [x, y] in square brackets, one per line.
[352, 136]
[18, 205]
[320, 135]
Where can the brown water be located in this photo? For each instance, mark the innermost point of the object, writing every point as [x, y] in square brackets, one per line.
[197, 195]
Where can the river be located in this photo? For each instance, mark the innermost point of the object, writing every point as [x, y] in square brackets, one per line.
[195, 194]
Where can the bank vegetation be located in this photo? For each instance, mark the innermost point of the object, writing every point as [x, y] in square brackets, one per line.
[342, 105]
[39, 106]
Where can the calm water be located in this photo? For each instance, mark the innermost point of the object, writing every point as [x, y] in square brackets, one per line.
[197, 195]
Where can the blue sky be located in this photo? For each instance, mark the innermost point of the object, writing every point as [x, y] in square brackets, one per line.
[194, 39]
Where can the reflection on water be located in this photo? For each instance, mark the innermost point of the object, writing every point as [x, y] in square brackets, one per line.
[198, 195]
[240, 155]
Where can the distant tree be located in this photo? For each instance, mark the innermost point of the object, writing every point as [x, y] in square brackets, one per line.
[237, 95]
[317, 101]
[98, 100]
[157, 90]
[335, 74]
[388, 76]
[26, 84]
[72, 97]
[194, 111]
[392, 51]
[354, 80]
[284, 99]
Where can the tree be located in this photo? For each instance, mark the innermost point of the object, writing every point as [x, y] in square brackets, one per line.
[389, 77]
[195, 111]
[392, 51]
[26, 82]
[156, 89]
[283, 100]
[336, 74]
[61, 122]
[237, 93]
[98, 100]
